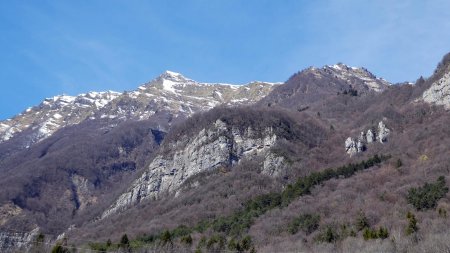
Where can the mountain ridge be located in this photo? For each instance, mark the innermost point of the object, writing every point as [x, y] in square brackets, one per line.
[63, 110]
[175, 153]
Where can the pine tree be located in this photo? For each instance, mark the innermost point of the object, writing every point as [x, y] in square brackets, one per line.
[399, 163]
[412, 225]
[361, 222]
[166, 237]
[125, 242]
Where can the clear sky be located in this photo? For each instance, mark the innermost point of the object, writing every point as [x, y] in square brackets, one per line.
[55, 47]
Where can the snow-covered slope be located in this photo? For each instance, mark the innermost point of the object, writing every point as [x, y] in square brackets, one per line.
[53, 113]
[181, 96]
[170, 92]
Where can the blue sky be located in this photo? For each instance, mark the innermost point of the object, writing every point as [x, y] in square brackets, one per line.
[54, 47]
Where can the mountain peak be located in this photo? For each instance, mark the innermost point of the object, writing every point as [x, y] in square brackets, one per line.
[173, 76]
[345, 72]
[346, 68]
[171, 73]
[340, 66]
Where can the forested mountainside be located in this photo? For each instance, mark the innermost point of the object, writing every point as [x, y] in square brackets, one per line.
[333, 160]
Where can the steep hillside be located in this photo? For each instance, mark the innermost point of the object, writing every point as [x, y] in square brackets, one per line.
[379, 198]
[220, 138]
[64, 161]
[334, 160]
[69, 176]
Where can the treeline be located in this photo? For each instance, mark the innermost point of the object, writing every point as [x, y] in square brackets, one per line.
[232, 230]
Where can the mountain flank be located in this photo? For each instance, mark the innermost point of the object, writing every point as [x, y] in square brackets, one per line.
[334, 159]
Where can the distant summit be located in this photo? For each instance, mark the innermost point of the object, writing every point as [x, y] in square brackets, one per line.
[314, 85]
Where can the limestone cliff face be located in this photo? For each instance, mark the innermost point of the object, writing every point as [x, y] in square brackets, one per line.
[220, 145]
[439, 92]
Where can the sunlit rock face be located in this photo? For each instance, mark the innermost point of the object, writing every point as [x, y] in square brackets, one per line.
[219, 146]
[439, 92]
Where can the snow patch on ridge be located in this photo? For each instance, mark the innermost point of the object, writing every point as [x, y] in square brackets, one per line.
[169, 85]
[172, 73]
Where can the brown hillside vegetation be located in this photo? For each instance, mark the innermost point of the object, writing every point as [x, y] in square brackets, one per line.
[391, 198]
[417, 147]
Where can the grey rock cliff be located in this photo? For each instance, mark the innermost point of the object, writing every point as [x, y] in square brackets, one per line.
[439, 92]
[220, 145]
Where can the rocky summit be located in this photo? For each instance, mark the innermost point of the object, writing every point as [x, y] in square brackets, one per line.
[334, 159]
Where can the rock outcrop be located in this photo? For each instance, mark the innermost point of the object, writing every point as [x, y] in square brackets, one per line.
[354, 146]
[350, 146]
[370, 136]
[219, 146]
[82, 192]
[383, 132]
[439, 92]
